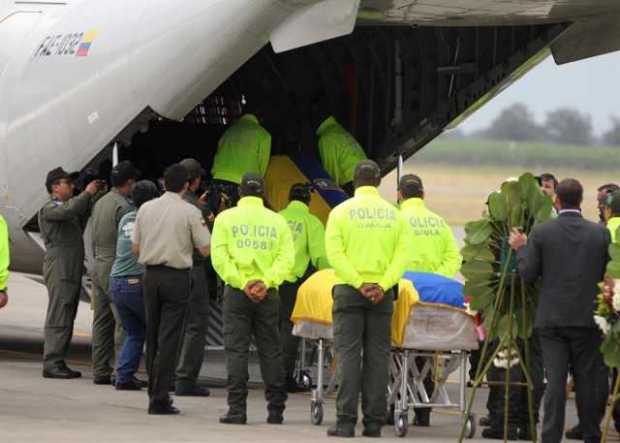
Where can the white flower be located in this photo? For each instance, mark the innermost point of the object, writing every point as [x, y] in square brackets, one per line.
[602, 323]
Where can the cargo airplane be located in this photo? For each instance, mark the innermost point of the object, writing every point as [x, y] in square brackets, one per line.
[153, 80]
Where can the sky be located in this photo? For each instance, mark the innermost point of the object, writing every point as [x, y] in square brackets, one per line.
[589, 85]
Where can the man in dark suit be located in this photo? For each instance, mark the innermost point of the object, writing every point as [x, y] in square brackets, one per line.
[569, 256]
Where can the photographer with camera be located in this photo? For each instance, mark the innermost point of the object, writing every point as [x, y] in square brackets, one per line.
[108, 333]
[62, 221]
[192, 350]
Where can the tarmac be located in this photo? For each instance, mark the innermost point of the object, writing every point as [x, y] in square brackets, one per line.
[34, 409]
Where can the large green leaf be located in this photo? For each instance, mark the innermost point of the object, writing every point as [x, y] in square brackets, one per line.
[481, 299]
[498, 210]
[544, 208]
[479, 252]
[611, 351]
[512, 193]
[476, 271]
[478, 232]
[530, 192]
[614, 251]
[613, 269]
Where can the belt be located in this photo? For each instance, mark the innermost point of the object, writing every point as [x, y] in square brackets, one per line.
[165, 268]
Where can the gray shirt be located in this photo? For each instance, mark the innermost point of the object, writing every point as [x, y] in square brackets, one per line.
[126, 263]
[168, 229]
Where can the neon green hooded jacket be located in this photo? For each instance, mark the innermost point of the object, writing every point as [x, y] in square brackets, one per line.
[367, 240]
[251, 242]
[244, 147]
[340, 152]
[309, 238]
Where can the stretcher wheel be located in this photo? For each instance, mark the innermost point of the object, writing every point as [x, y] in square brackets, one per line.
[401, 424]
[316, 413]
[470, 426]
[306, 380]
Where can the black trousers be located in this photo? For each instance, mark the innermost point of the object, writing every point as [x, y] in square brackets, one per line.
[290, 343]
[579, 348]
[424, 414]
[192, 351]
[362, 343]
[517, 395]
[166, 294]
[244, 319]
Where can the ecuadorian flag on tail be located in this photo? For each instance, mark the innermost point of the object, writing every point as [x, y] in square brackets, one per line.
[86, 43]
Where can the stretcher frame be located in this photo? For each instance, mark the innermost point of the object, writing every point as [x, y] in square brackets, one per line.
[320, 391]
[408, 390]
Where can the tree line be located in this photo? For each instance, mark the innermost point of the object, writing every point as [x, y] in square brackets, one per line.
[566, 126]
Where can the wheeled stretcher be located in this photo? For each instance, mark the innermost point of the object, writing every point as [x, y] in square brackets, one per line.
[321, 336]
[437, 341]
[436, 335]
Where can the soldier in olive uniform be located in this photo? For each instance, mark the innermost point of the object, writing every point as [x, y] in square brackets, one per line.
[62, 222]
[107, 214]
[192, 352]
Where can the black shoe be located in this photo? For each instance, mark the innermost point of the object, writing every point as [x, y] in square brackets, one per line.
[232, 419]
[344, 431]
[498, 434]
[574, 433]
[372, 432]
[484, 421]
[62, 372]
[163, 409]
[195, 391]
[139, 382]
[102, 380]
[275, 418]
[131, 385]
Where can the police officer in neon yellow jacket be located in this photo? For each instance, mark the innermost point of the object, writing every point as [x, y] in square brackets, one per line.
[245, 147]
[433, 250]
[309, 239]
[612, 214]
[4, 262]
[434, 247]
[340, 152]
[252, 251]
[367, 241]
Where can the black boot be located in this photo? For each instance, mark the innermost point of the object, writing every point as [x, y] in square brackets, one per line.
[344, 430]
[233, 419]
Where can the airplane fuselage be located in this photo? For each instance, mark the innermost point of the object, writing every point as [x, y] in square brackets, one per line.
[78, 75]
